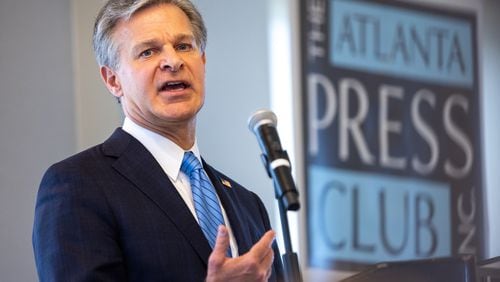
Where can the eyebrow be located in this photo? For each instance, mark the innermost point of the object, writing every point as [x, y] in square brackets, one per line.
[155, 42]
[183, 36]
[142, 45]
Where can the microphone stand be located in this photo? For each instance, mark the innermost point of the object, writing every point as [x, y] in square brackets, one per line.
[285, 203]
[290, 259]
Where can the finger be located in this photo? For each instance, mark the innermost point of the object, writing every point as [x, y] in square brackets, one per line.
[222, 241]
[266, 264]
[268, 259]
[268, 274]
[261, 248]
[218, 255]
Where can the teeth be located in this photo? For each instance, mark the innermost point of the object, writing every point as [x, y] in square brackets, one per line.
[173, 85]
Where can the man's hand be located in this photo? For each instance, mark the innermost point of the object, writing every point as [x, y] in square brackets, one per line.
[256, 265]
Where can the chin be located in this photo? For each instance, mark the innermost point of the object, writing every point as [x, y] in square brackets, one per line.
[177, 117]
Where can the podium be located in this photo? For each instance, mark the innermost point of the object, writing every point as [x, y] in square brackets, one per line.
[460, 269]
[489, 270]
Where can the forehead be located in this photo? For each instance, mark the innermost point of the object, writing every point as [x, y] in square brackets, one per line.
[159, 20]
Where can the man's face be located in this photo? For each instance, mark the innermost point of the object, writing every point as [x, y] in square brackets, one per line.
[161, 73]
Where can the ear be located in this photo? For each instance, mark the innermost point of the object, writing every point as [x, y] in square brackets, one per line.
[204, 58]
[111, 81]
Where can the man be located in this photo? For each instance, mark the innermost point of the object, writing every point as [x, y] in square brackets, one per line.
[127, 209]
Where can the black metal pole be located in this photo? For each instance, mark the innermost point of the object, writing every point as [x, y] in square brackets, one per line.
[290, 259]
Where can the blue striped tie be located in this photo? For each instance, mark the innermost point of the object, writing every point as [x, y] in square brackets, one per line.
[206, 203]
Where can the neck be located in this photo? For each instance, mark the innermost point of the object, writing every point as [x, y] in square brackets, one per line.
[181, 133]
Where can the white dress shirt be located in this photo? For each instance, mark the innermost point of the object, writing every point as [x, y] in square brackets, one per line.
[169, 155]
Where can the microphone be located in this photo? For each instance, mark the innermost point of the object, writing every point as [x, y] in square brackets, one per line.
[263, 124]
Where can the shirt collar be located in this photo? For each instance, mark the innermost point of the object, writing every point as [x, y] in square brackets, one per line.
[168, 154]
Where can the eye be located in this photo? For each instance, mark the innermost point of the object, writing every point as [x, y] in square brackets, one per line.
[147, 53]
[184, 47]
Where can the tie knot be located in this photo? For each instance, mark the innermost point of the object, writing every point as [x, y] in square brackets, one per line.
[190, 163]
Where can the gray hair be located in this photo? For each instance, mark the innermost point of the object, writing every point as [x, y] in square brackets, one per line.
[114, 11]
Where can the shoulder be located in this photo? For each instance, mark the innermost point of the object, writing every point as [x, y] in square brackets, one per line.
[79, 164]
[94, 158]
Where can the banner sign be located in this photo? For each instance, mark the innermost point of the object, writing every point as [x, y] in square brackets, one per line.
[391, 132]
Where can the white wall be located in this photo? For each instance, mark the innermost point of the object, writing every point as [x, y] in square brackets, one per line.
[36, 118]
[97, 112]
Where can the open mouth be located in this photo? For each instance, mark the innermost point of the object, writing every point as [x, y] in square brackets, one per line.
[174, 85]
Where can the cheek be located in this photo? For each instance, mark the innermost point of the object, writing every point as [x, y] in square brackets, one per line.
[200, 76]
[141, 83]
[140, 73]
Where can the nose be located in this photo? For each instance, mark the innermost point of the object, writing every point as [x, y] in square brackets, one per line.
[171, 61]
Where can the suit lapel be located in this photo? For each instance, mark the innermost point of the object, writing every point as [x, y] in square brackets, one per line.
[138, 165]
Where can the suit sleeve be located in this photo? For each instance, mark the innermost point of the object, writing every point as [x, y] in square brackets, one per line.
[74, 234]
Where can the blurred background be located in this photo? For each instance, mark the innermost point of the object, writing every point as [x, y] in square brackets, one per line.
[53, 103]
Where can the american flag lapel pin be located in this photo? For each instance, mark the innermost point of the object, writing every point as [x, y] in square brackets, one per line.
[226, 183]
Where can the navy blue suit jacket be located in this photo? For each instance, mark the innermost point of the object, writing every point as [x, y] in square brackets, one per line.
[110, 213]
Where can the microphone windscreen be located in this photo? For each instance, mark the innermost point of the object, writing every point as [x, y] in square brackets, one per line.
[260, 117]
